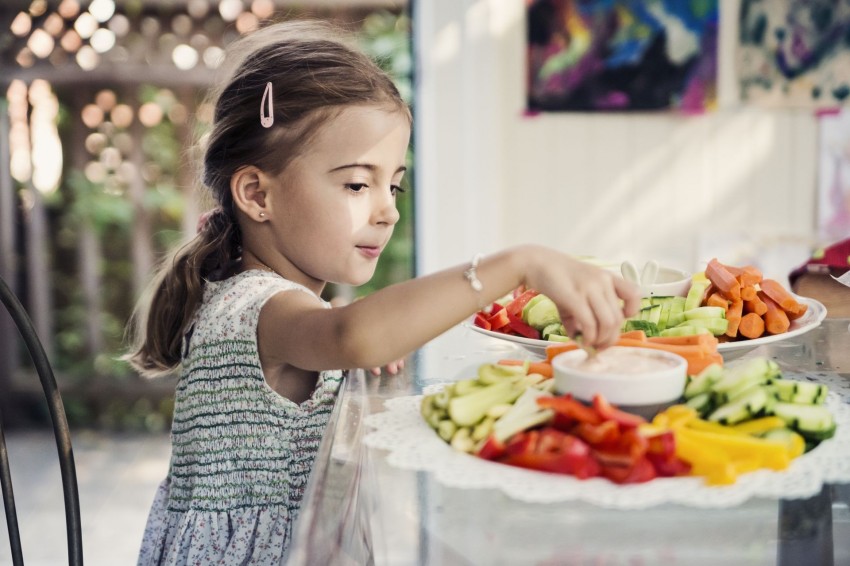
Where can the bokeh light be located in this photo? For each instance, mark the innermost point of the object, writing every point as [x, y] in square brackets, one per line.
[92, 115]
[102, 10]
[122, 116]
[184, 57]
[21, 25]
[41, 43]
[86, 25]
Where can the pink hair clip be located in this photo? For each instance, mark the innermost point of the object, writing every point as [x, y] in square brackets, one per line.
[267, 121]
[204, 218]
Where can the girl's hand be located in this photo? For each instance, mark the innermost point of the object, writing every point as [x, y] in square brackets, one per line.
[392, 368]
[590, 300]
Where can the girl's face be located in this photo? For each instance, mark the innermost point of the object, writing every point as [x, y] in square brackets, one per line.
[334, 209]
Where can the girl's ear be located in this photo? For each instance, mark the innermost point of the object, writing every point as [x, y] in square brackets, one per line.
[248, 189]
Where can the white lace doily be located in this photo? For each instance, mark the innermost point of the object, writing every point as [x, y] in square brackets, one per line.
[413, 445]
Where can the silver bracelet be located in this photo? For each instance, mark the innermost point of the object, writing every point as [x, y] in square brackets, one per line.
[471, 275]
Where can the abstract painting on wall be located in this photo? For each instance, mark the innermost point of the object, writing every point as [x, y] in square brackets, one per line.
[621, 55]
[794, 53]
[834, 176]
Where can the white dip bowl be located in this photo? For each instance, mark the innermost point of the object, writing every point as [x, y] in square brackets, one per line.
[625, 376]
[669, 282]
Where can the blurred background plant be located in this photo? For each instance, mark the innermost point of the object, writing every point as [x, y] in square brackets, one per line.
[100, 112]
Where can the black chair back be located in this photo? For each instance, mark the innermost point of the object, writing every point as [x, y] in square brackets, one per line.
[60, 431]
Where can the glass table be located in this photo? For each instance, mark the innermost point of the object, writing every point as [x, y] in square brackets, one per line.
[359, 509]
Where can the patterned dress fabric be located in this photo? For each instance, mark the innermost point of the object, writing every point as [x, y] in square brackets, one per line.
[241, 453]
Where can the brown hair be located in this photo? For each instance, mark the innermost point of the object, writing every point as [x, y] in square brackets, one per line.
[314, 73]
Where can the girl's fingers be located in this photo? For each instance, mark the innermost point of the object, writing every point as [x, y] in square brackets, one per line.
[630, 294]
[392, 368]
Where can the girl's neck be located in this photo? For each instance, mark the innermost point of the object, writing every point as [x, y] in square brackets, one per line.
[249, 262]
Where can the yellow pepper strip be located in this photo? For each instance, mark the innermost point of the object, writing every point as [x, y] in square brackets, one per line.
[758, 426]
[679, 415]
[715, 465]
[795, 445]
[772, 454]
[717, 428]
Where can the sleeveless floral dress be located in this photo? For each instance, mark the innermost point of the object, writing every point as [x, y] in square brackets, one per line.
[241, 453]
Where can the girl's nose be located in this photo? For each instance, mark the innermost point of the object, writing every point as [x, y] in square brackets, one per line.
[385, 209]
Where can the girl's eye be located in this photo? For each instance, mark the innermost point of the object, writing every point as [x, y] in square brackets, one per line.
[396, 189]
[355, 187]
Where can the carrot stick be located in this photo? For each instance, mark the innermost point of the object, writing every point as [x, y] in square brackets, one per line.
[696, 366]
[723, 280]
[717, 300]
[775, 319]
[733, 317]
[747, 275]
[779, 294]
[752, 326]
[707, 340]
[543, 368]
[634, 334]
[756, 306]
[683, 350]
[798, 312]
[553, 350]
[748, 292]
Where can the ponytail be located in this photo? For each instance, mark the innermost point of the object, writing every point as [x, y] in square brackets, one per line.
[160, 323]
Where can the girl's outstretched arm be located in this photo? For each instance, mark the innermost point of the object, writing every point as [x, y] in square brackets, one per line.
[394, 321]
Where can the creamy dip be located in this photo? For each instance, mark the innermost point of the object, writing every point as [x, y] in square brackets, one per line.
[620, 360]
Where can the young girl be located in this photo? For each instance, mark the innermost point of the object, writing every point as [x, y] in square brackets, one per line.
[305, 159]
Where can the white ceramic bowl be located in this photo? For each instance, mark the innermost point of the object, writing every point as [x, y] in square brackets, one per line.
[669, 282]
[624, 376]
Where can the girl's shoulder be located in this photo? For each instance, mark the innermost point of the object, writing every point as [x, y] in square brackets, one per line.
[249, 286]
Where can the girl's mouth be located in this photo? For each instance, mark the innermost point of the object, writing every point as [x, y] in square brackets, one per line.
[370, 251]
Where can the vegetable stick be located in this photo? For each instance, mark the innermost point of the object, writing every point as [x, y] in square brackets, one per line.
[634, 334]
[798, 312]
[733, 317]
[723, 280]
[717, 300]
[775, 319]
[755, 306]
[752, 325]
[707, 340]
[746, 275]
[556, 348]
[543, 368]
[748, 292]
[779, 294]
[553, 350]
[697, 365]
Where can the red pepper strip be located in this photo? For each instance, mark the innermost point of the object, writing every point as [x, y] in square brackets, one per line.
[606, 431]
[498, 320]
[608, 411]
[481, 321]
[570, 407]
[519, 291]
[669, 466]
[492, 449]
[626, 450]
[662, 444]
[517, 325]
[556, 452]
[641, 471]
[522, 442]
[515, 307]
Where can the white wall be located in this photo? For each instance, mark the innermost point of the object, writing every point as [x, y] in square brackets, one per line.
[738, 182]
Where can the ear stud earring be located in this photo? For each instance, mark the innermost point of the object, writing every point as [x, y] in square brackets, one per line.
[262, 215]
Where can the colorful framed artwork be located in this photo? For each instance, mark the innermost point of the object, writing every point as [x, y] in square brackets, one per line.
[621, 55]
[794, 53]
